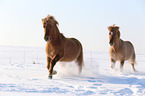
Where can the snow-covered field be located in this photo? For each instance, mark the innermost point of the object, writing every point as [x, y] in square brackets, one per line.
[23, 73]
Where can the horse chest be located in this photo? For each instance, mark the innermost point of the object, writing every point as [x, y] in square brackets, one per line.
[50, 52]
[116, 55]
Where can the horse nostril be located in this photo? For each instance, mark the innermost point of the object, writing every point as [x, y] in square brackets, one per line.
[111, 41]
[46, 38]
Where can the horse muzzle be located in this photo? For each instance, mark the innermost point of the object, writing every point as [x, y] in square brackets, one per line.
[111, 42]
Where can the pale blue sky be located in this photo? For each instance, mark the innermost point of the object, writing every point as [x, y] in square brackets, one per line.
[86, 20]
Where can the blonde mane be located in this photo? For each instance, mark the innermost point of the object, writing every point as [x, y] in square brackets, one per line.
[120, 50]
[113, 26]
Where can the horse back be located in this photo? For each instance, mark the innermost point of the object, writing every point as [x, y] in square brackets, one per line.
[76, 41]
[129, 45]
[72, 49]
[73, 44]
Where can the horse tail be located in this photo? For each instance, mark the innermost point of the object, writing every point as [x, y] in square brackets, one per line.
[134, 56]
[80, 61]
[133, 59]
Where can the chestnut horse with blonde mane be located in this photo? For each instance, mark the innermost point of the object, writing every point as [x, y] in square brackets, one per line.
[60, 48]
[120, 50]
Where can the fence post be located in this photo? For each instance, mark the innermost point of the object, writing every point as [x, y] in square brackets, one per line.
[91, 57]
[24, 56]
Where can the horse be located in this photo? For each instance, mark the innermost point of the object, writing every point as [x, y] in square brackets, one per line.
[60, 48]
[120, 50]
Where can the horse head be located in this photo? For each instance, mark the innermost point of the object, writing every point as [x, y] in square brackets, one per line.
[114, 34]
[48, 24]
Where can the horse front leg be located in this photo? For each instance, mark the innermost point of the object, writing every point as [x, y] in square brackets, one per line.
[121, 65]
[52, 64]
[48, 62]
[113, 63]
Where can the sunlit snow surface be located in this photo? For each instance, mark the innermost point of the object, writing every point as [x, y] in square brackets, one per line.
[23, 72]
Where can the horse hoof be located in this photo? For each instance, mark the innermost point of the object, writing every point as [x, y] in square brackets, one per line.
[54, 72]
[50, 77]
[134, 70]
[112, 67]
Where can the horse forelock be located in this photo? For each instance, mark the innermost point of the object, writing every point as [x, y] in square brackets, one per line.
[114, 29]
[110, 27]
[50, 19]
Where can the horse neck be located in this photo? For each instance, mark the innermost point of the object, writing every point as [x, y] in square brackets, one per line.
[117, 45]
[56, 35]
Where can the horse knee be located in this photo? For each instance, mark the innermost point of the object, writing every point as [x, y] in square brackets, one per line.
[52, 64]
[48, 62]
[48, 67]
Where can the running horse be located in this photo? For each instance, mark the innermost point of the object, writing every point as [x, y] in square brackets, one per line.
[120, 50]
[60, 48]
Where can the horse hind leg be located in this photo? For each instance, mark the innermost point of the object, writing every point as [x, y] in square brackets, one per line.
[80, 62]
[133, 67]
[133, 62]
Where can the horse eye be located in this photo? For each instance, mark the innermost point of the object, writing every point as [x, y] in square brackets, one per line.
[109, 33]
[44, 26]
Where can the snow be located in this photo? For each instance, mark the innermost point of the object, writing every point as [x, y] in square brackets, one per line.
[23, 72]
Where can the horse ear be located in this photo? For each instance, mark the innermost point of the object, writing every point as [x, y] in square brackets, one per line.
[43, 20]
[118, 34]
[117, 28]
[108, 28]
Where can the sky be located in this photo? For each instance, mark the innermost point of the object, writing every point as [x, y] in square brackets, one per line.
[86, 20]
